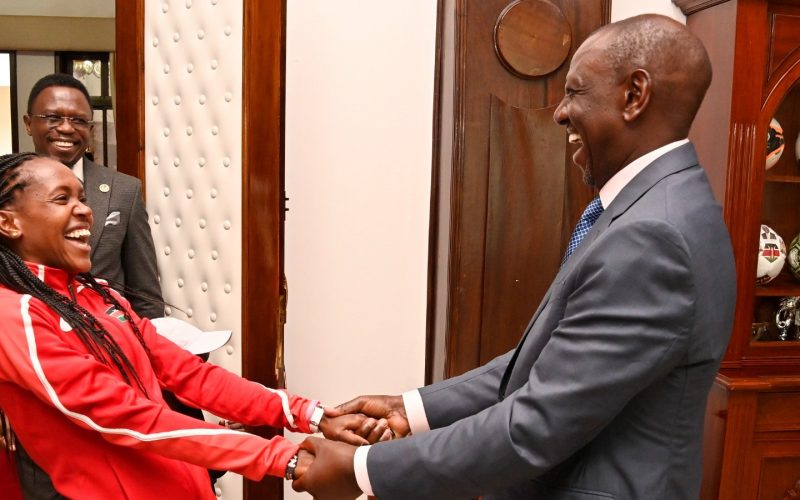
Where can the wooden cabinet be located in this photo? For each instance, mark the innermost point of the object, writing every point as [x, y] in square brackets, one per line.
[752, 440]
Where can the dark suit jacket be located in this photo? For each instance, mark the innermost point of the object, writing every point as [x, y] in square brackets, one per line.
[122, 245]
[605, 395]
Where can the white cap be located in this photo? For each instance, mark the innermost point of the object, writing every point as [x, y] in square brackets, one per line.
[189, 337]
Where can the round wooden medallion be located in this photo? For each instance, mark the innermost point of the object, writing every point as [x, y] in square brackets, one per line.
[532, 37]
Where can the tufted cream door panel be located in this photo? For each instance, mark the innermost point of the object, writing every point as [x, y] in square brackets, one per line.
[193, 152]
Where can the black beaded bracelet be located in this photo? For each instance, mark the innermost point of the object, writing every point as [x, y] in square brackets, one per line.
[290, 467]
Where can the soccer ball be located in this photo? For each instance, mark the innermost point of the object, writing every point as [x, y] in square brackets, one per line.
[794, 256]
[775, 143]
[771, 255]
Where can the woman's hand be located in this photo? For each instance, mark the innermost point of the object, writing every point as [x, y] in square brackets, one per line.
[389, 408]
[356, 429]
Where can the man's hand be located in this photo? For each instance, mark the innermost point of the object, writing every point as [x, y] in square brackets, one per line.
[230, 424]
[304, 460]
[390, 408]
[356, 429]
[330, 476]
[7, 444]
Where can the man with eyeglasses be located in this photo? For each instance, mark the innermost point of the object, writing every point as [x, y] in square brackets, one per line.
[59, 120]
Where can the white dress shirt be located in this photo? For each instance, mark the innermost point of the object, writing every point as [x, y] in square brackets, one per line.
[77, 168]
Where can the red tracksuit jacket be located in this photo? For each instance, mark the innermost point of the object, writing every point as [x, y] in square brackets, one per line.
[98, 437]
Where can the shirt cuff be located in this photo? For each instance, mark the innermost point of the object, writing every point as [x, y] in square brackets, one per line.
[360, 468]
[415, 412]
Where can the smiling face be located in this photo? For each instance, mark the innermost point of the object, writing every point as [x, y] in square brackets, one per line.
[65, 142]
[48, 220]
[592, 112]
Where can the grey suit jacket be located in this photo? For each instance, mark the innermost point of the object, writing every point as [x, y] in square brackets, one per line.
[122, 245]
[605, 395]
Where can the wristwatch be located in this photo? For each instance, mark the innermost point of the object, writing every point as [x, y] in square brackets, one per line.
[316, 417]
[290, 467]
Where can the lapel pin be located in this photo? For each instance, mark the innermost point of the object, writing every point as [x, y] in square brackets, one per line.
[104, 188]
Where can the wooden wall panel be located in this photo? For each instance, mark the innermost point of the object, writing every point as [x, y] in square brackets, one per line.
[264, 69]
[523, 227]
[464, 330]
[129, 81]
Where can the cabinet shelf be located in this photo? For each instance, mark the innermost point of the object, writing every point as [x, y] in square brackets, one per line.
[784, 285]
[782, 344]
[787, 179]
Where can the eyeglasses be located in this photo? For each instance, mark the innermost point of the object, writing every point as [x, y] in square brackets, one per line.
[54, 121]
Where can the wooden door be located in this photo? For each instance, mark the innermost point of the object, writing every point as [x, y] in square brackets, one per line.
[263, 179]
[506, 195]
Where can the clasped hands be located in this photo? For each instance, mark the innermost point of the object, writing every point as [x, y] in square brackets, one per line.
[325, 468]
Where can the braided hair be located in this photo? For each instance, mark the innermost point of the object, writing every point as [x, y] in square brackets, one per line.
[15, 275]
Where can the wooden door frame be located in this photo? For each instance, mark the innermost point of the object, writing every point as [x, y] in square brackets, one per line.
[263, 107]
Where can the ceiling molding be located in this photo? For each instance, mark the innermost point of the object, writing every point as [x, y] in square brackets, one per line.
[58, 8]
[56, 33]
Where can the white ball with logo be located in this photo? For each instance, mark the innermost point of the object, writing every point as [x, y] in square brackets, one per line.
[775, 143]
[771, 255]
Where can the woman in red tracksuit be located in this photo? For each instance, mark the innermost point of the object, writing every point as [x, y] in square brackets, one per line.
[81, 375]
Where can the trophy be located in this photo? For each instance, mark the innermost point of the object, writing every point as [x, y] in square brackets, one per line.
[788, 314]
[759, 330]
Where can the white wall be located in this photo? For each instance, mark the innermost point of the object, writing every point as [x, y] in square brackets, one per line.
[622, 9]
[359, 115]
[5, 104]
[30, 67]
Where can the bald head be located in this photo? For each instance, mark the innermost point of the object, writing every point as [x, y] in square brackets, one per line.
[632, 87]
[674, 58]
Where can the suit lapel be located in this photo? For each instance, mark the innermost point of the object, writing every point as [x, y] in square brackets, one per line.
[97, 184]
[670, 163]
[674, 161]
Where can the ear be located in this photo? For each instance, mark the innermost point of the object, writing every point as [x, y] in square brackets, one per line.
[637, 95]
[9, 227]
[27, 120]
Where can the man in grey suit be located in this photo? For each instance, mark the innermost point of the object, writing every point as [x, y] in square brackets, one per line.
[604, 396]
[59, 120]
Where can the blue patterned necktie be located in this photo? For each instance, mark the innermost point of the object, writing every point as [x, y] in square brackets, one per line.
[590, 215]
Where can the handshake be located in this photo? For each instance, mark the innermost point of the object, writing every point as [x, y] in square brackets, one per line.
[324, 468]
